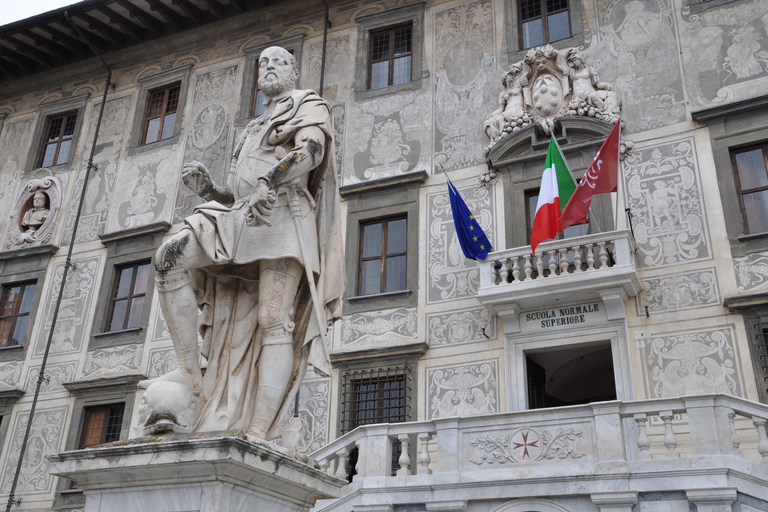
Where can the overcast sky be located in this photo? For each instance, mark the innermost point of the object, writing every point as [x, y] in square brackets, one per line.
[14, 10]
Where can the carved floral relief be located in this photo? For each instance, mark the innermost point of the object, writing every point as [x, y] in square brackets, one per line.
[314, 402]
[450, 275]
[101, 182]
[679, 291]
[462, 390]
[663, 190]
[335, 83]
[10, 374]
[465, 82]
[380, 327]
[44, 438]
[752, 273]
[699, 362]
[56, 375]
[161, 361]
[112, 361]
[76, 302]
[460, 326]
[527, 445]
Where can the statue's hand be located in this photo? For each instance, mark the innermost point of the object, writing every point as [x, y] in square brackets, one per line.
[196, 177]
[260, 204]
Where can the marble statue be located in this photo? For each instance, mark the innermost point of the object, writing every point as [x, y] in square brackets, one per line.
[511, 112]
[35, 217]
[548, 84]
[243, 259]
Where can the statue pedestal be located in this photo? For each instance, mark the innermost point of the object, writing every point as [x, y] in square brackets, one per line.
[207, 472]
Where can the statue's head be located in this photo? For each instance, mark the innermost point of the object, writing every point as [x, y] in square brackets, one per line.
[514, 71]
[575, 57]
[278, 71]
[39, 199]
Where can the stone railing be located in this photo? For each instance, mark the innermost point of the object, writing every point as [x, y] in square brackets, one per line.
[614, 438]
[599, 266]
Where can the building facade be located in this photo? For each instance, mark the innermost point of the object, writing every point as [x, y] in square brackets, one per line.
[622, 369]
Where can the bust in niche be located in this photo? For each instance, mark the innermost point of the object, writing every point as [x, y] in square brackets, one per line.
[35, 216]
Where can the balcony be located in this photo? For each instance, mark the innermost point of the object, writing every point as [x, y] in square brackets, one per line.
[575, 270]
[706, 445]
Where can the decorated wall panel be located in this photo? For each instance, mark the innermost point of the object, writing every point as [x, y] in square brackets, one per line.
[14, 146]
[679, 291]
[468, 325]
[450, 275]
[462, 390]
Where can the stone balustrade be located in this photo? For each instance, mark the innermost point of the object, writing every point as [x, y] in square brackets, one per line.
[600, 266]
[617, 439]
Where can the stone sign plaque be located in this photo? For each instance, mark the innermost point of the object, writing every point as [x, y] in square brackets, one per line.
[563, 317]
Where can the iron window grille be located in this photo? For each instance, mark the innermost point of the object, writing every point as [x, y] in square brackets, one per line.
[376, 396]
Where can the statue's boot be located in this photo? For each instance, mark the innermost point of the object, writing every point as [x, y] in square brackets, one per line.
[275, 368]
[179, 306]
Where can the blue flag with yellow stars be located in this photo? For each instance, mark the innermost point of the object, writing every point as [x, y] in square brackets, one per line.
[473, 241]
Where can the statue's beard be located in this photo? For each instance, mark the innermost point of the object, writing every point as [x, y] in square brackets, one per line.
[273, 88]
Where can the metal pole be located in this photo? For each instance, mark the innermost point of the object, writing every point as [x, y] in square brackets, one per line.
[12, 500]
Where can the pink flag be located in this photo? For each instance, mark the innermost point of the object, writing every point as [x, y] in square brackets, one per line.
[601, 176]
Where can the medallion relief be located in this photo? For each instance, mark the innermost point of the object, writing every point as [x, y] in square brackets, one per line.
[36, 214]
[527, 445]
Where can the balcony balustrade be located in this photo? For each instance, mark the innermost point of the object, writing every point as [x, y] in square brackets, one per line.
[690, 442]
[600, 266]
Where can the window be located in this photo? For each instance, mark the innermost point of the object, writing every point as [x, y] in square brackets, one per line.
[14, 312]
[390, 57]
[383, 256]
[102, 425]
[389, 51]
[543, 21]
[161, 114]
[376, 396]
[257, 102]
[128, 295]
[58, 139]
[751, 172]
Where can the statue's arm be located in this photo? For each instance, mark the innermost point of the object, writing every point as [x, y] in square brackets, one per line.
[198, 179]
[307, 153]
[596, 81]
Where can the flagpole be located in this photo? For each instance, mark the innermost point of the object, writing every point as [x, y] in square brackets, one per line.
[618, 181]
[593, 219]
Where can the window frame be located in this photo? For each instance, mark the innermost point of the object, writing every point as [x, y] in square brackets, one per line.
[370, 201]
[87, 411]
[131, 246]
[20, 266]
[131, 295]
[60, 140]
[739, 190]
[372, 23]
[4, 290]
[47, 111]
[383, 254]
[147, 85]
[732, 126]
[167, 91]
[544, 25]
[391, 52]
[513, 29]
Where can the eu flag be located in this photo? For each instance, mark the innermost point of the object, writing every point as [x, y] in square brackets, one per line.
[473, 241]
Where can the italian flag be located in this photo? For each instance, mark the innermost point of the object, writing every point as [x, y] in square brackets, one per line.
[557, 187]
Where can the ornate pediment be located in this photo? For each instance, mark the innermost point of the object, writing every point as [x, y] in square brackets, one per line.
[549, 84]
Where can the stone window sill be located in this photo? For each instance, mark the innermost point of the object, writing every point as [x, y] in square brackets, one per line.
[377, 296]
[12, 347]
[116, 333]
[752, 236]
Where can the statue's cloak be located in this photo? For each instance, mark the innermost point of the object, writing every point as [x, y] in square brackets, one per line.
[227, 291]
